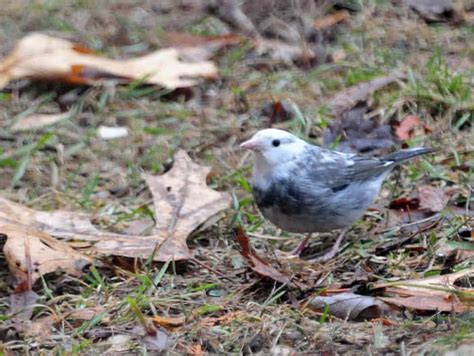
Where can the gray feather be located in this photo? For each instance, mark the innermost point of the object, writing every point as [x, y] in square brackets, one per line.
[326, 190]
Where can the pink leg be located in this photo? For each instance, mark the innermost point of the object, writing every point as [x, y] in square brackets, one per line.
[333, 251]
[301, 246]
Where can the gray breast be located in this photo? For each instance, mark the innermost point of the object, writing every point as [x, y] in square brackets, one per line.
[296, 204]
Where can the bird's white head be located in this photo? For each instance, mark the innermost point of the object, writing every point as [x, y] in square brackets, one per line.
[273, 147]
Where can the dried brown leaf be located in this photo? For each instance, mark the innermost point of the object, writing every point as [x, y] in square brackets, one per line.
[168, 322]
[436, 293]
[350, 306]
[46, 253]
[182, 202]
[260, 266]
[431, 303]
[42, 57]
[424, 203]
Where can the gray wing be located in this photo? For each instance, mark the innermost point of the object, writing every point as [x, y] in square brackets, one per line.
[336, 170]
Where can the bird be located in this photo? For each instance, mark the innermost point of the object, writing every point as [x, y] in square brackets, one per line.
[303, 188]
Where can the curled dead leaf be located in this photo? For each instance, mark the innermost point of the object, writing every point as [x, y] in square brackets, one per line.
[38, 56]
[260, 266]
[350, 306]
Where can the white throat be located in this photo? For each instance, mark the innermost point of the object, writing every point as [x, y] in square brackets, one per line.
[273, 164]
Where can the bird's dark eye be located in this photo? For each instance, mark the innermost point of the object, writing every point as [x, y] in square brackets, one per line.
[276, 143]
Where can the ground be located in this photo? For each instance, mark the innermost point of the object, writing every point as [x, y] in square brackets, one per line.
[67, 166]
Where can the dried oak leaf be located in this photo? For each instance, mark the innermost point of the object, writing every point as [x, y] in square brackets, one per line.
[182, 202]
[31, 253]
[38, 56]
[436, 293]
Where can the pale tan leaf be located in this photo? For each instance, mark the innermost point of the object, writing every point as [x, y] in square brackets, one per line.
[351, 96]
[46, 253]
[38, 56]
[37, 121]
[182, 202]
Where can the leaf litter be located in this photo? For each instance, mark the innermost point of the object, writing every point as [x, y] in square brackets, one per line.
[264, 313]
[182, 202]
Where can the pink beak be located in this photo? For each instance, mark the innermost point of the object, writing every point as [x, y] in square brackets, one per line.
[252, 144]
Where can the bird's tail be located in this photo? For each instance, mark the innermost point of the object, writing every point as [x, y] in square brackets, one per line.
[405, 155]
